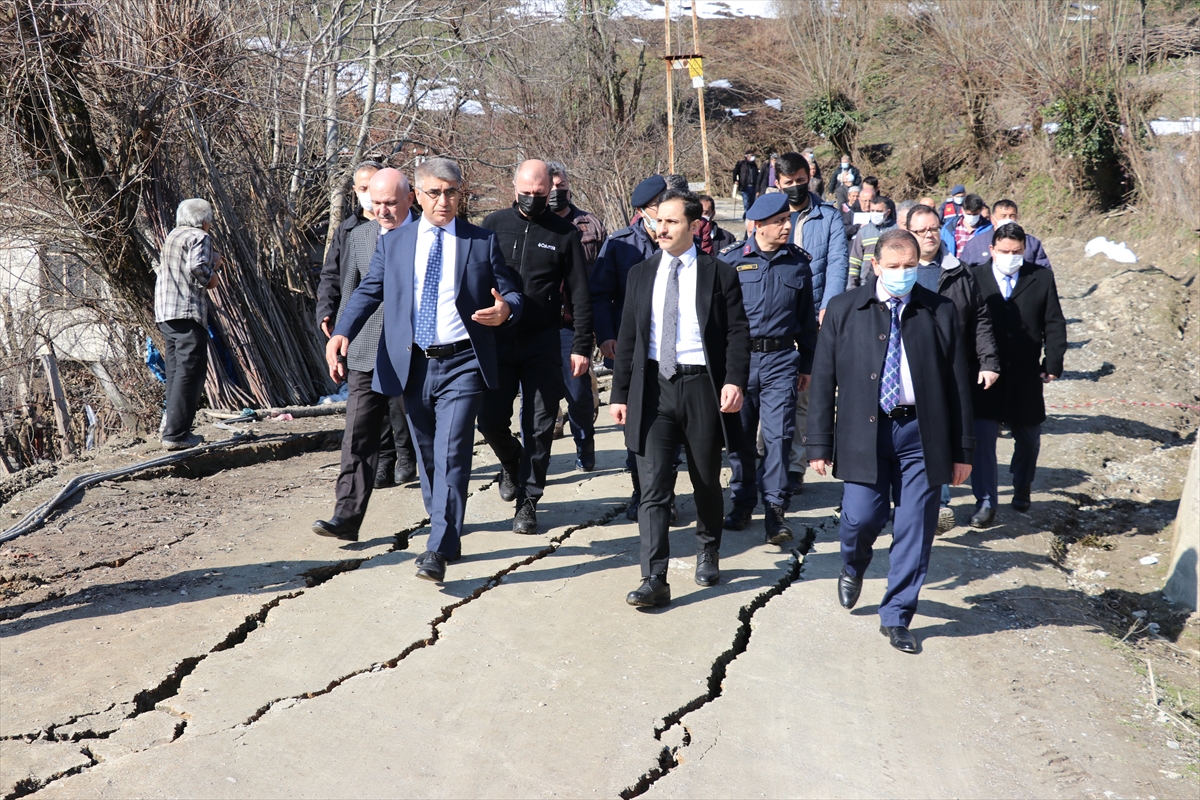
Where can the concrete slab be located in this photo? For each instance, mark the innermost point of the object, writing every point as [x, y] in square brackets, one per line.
[820, 705]
[548, 683]
[24, 766]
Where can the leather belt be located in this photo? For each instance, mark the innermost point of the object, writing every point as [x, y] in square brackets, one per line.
[683, 369]
[444, 350]
[901, 412]
[767, 345]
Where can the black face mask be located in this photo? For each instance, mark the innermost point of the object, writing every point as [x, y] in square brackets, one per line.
[797, 195]
[558, 200]
[531, 206]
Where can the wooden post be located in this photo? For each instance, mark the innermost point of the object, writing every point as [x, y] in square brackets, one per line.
[50, 364]
[670, 93]
[700, 94]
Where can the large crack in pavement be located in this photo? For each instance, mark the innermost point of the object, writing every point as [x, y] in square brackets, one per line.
[668, 757]
[443, 617]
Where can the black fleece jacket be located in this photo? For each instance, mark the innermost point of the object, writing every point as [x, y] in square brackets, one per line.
[546, 257]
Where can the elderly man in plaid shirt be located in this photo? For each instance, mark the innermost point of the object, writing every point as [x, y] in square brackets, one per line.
[187, 269]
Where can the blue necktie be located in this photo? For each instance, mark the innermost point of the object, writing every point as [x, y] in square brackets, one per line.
[889, 387]
[426, 330]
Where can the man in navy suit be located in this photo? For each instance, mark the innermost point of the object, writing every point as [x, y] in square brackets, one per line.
[890, 410]
[444, 287]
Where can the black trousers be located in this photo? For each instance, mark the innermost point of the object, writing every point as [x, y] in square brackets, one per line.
[396, 444]
[533, 367]
[185, 358]
[368, 440]
[683, 411]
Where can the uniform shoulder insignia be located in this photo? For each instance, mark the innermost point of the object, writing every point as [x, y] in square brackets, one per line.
[800, 251]
[731, 248]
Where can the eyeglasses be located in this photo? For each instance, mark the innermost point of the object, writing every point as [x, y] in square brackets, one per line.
[450, 194]
[925, 231]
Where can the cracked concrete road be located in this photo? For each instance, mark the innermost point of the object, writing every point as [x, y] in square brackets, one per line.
[305, 667]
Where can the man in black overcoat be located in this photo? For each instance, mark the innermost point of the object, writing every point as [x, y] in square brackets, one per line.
[890, 360]
[1031, 334]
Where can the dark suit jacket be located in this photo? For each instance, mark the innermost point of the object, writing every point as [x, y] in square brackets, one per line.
[480, 268]
[851, 349]
[1026, 324]
[724, 329]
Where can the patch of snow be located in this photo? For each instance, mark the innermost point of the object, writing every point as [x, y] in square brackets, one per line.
[774, 103]
[1117, 252]
[1148, 560]
[1176, 127]
[737, 112]
[720, 83]
[705, 9]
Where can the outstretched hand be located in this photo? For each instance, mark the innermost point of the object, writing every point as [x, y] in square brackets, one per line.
[496, 314]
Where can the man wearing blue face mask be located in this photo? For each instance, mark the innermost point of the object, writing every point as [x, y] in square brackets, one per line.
[891, 369]
[1028, 322]
[965, 226]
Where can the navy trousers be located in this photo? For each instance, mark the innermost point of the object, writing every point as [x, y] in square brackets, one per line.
[580, 408]
[442, 398]
[985, 479]
[770, 401]
[901, 478]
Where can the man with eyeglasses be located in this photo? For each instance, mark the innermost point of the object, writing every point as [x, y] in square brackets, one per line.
[444, 288]
[545, 253]
[777, 292]
[941, 272]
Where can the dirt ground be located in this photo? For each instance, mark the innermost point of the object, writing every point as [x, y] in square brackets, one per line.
[155, 553]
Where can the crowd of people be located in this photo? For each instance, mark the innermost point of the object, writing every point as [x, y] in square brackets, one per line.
[887, 343]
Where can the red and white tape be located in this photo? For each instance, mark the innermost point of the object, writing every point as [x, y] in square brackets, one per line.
[1187, 406]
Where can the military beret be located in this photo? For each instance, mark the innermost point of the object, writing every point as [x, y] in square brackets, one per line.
[648, 191]
[768, 206]
[959, 189]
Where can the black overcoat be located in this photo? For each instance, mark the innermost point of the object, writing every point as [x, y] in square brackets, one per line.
[1031, 335]
[851, 349]
[724, 329]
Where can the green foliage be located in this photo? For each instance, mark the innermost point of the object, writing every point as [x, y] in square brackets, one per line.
[1088, 126]
[833, 116]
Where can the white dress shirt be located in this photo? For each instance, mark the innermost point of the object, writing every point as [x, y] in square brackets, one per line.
[907, 396]
[689, 347]
[450, 327]
[1006, 282]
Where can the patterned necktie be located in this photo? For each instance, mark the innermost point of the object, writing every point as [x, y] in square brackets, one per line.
[668, 331]
[426, 330]
[889, 387]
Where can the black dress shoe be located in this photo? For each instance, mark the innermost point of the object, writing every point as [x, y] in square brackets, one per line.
[653, 592]
[900, 637]
[1020, 501]
[707, 569]
[420, 560]
[849, 588]
[738, 518]
[525, 520]
[385, 476]
[983, 517]
[631, 511]
[776, 526]
[337, 528]
[508, 486]
[406, 473]
[433, 567]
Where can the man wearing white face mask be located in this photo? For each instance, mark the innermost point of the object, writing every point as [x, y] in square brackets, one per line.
[890, 411]
[333, 271]
[976, 251]
[1032, 336]
[962, 228]
[883, 218]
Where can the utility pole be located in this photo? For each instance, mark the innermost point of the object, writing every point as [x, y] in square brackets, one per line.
[699, 81]
[695, 64]
[669, 60]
